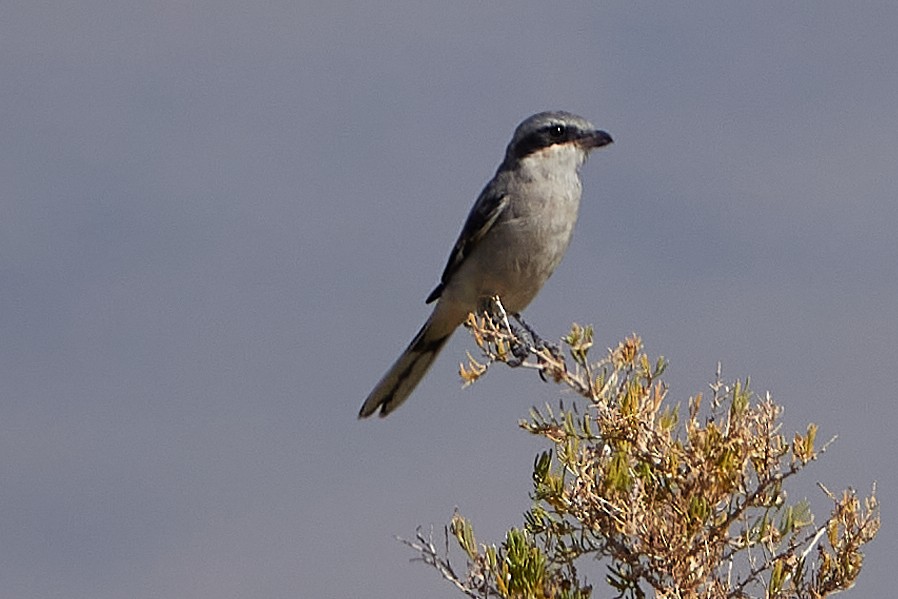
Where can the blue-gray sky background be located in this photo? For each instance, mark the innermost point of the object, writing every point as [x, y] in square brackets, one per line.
[219, 221]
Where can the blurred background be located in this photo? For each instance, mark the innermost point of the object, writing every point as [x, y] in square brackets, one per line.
[219, 222]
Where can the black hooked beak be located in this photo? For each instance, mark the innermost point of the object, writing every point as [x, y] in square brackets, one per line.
[595, 139]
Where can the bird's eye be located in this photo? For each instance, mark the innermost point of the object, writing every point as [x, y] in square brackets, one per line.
[557, 131]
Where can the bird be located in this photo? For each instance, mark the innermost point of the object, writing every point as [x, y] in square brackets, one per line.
[514, 237]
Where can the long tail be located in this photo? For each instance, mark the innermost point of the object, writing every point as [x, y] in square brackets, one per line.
[405, 374]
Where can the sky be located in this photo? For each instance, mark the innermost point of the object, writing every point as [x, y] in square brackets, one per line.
[219, 222]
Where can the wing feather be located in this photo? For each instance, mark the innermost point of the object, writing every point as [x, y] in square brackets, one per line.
[487, 209]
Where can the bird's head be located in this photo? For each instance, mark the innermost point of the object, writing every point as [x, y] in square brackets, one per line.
[555, 133]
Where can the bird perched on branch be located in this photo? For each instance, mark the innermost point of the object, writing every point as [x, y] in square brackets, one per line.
[514, 237]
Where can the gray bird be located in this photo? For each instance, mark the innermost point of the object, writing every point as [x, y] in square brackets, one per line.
[514, 237]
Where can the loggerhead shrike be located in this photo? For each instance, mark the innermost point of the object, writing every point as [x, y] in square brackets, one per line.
[514, 237]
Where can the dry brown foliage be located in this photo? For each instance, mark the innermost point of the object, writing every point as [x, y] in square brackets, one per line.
[674, 510]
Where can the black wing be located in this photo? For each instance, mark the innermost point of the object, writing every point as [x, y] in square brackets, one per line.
[483, 215]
